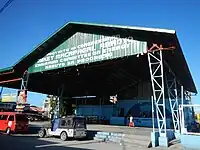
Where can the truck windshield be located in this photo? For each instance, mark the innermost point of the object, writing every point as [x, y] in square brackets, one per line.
[79, 123]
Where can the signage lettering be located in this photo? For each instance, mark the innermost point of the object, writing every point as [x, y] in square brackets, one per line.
[75, 51]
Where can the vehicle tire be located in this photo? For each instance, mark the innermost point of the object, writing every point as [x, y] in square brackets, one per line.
[8, 130]
[42, 133]
[63, 136]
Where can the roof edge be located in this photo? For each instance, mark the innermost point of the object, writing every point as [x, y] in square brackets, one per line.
[96, 24]
[187, 65]
[7, 69]
[170, 31]
[40, 44]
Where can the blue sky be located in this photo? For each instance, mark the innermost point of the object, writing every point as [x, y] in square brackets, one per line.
[26, 23]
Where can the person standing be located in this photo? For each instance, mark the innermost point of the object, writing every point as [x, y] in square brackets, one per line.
[131, 123]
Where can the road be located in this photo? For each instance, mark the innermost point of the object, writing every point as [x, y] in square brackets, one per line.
[31, 141]
[28, 142]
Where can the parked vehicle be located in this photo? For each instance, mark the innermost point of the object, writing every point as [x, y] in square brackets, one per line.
[67, 127]
[13, 122]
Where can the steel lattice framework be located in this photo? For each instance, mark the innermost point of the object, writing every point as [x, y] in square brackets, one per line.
[172, 89]
[157, 79]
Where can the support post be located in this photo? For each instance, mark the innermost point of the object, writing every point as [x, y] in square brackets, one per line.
[157, 80]
[22, 100]
[171, 83]
[1, 91]
[154, 134]
[60, 101]
[152, 107]
[182, 120]
[25, 78]
[182, 95]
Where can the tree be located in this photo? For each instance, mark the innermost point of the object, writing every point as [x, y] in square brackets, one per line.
[53, 103]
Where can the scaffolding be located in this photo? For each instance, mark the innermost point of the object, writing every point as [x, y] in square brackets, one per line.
[172, 89]
[157, 79]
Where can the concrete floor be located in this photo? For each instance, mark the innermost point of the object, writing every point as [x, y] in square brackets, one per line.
[140, 135]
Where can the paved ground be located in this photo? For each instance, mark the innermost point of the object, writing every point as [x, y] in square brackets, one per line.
[19, 142]
[140, 135]
[31, 142]
[107, 128]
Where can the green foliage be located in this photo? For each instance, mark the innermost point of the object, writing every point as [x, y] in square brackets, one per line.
[63, 107]
[53, 102]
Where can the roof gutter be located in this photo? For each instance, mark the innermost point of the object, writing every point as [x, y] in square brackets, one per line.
[10, 72]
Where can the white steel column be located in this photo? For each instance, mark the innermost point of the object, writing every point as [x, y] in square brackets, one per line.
[182, 121]
[173, 100]
[152, 107]
[157, 80]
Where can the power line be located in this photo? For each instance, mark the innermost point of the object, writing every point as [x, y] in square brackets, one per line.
[5, 6]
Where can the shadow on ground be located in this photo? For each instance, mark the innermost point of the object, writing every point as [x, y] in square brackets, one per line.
[33, 143]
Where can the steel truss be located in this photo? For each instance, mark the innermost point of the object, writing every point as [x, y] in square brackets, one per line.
[172, 89]
[157, 79]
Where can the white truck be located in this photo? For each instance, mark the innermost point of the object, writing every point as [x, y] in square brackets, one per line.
[67, 127]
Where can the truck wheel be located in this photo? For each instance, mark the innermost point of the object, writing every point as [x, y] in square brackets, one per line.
[63, 136]
[42, 133]
[8, 131]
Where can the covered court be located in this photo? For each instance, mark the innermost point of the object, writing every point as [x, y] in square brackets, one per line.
[84, 59]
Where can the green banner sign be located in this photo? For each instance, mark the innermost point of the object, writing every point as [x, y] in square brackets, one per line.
[84, 48]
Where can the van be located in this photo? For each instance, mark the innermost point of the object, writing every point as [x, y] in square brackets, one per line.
[13, 122]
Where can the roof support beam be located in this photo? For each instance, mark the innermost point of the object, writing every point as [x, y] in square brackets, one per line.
[12, 80]
[5, 73]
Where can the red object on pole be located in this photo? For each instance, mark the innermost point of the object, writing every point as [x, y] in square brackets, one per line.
[155, 47]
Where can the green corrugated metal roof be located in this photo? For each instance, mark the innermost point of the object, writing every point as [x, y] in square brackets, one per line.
[127, 27]
[6, 69]
[100, 25]
[42, 43]
[72, 27]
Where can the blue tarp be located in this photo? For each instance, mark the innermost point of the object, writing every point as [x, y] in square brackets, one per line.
[55, 124]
